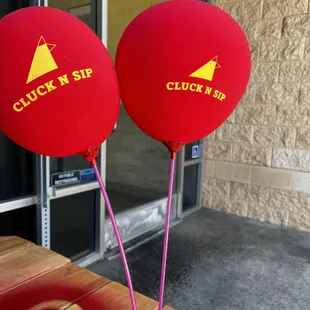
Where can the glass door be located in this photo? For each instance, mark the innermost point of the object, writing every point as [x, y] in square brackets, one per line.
[18, 208]
[54, 202]
[71, 208]
[17, 191]
[191, 179]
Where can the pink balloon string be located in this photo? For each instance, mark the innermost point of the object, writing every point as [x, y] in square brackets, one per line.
[117, 235]
[166, 235]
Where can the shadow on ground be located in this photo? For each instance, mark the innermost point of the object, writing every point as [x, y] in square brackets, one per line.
[223, 262]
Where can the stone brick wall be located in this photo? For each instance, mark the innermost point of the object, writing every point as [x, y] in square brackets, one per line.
[258, 162]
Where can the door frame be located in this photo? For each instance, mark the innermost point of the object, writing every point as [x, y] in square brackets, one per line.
[127, 219]
[182, 164]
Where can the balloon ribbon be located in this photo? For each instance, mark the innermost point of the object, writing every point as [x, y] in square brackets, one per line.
[173, 148]
[90, 155]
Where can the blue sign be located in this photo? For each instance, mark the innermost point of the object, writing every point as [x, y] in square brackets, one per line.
[87, 175]
[195, 151]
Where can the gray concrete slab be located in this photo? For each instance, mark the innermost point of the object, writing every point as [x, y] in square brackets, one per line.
[223, 262]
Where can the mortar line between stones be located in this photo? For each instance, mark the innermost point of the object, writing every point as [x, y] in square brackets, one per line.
[304, 50]
[291, 183]
[287, 217]
[250, 174]
[262, 9]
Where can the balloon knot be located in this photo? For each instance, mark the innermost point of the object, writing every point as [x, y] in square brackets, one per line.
[173, 147]
[90, 154]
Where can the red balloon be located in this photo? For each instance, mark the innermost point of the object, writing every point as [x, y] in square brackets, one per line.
[183, 66]
[59, 87]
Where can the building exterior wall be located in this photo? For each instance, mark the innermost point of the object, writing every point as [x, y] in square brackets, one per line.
[133, 158]
[258, 162]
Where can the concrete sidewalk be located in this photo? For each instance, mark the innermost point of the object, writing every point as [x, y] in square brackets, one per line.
[223, 262]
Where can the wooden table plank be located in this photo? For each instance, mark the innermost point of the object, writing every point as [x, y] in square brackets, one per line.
[58, 289]
[34, 278]
[11, 244]
[25, 265]
[113, 296]
[77, 307]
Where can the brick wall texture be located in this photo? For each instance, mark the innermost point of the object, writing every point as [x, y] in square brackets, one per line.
[257, 164]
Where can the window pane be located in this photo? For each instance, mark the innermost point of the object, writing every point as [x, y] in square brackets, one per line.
[78, 8]
[73, 163]
[137, 166]
[16, 164]
[7, 7]
[73, 224]
[83, 10]
[16, 170]
[190, 198]
[19, 222]
[61, 164]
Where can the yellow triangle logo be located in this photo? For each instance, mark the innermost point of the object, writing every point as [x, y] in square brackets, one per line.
[206, 72]
[43, 61]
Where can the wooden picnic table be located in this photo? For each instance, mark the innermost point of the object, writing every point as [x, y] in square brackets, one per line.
[35, 278]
